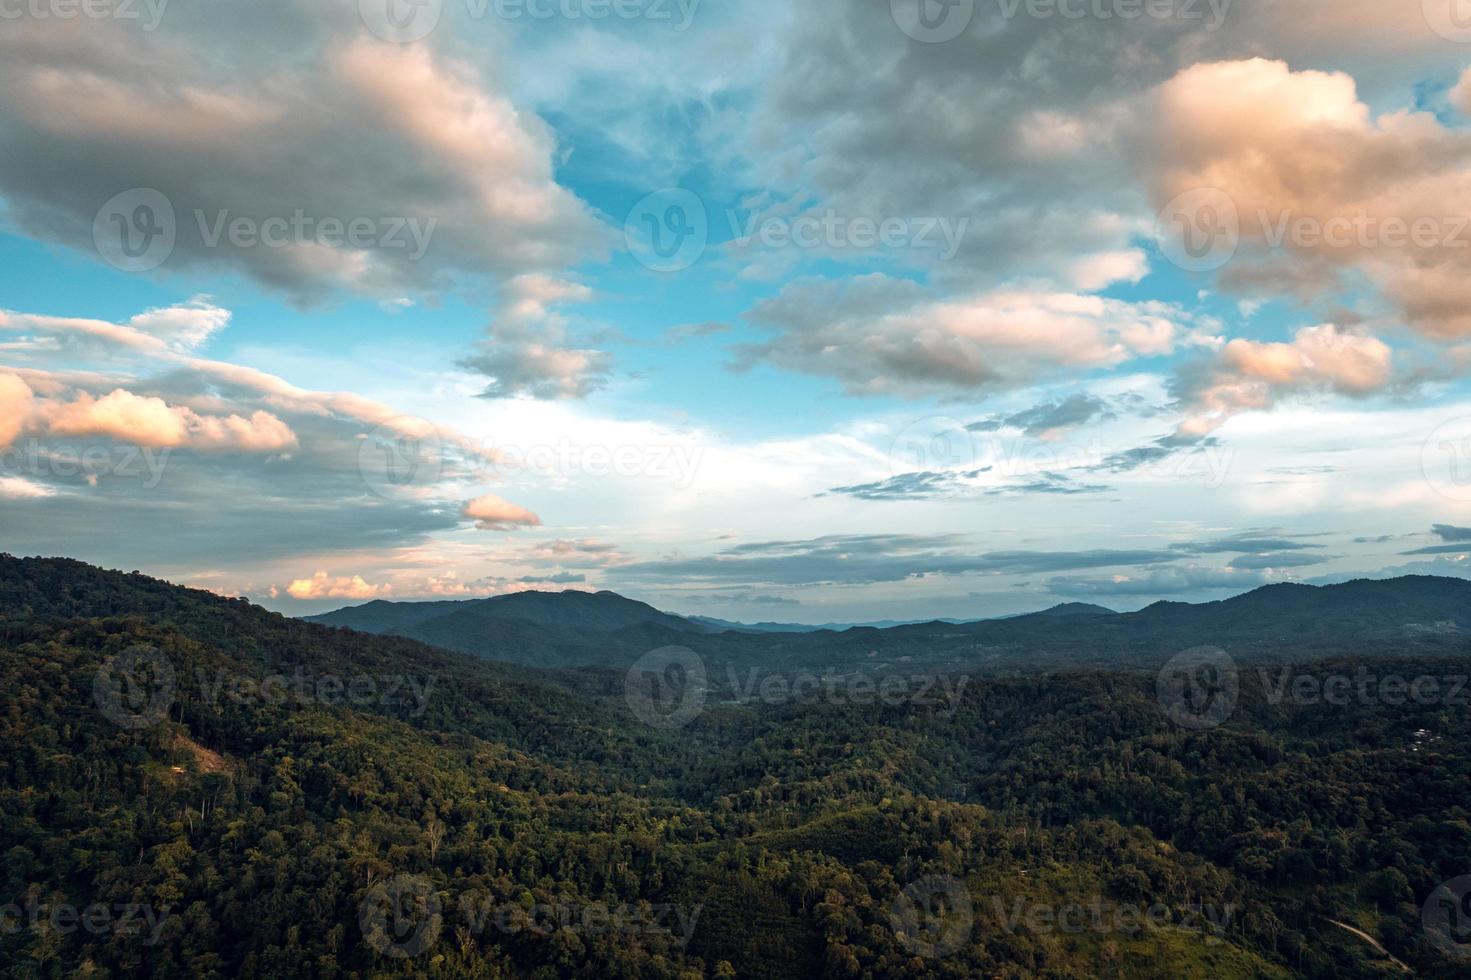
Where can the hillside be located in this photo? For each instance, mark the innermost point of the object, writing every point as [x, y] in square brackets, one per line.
[1280, 623]
[507, 812]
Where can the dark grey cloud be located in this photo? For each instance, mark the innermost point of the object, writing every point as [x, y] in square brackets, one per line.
[928, 485]
[561, 578]
[866, 559]
[1049, 483]
[1174, 580]
[923, 485]
[526, 369]
[1070, 412]
[1154, 454]
[1246, 541]
[1450, 532]
[1262, 562]
[1016, 120]
[1440, 549]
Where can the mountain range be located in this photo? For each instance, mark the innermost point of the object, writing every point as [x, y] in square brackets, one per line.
[1283, 623]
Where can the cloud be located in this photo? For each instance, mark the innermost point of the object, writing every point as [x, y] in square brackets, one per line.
[1248, 375]
[491, 513]
[952, 483]
[1298, 149]
[585, 553]
[1450, 532]
[139, 420]
[324, 122]
[925, 485]
[868, 559]
[677, 335]
[526, 354]
[1270, 561]
[15, 407]
[19, 488]
[1174, 580]
[1155, 454]
[1440, 549]
[561, 578]
[179, 328]
[147, 421]
[1248, 541]
[322, 586]
[882, 336]
[1050, 419]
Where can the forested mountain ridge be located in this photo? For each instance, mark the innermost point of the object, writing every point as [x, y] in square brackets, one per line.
[272, 816]
[1277, 623]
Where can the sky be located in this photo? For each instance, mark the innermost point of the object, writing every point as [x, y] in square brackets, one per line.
[830, 311]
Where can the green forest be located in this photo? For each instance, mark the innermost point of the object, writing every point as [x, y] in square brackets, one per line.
[195, 787]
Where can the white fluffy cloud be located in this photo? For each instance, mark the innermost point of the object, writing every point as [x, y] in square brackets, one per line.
[1304, 160]
[885, 336]
[1249, 375]
[140, 420]
[324, 586]
[491, 513]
